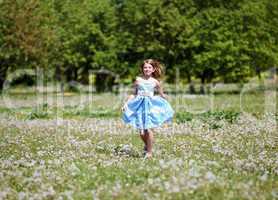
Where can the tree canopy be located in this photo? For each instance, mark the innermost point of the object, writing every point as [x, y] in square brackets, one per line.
[211, 40]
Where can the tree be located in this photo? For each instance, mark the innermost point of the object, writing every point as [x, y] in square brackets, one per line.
[25, 37]
[86, 37]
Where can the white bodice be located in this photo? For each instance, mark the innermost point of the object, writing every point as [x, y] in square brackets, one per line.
[145, 87]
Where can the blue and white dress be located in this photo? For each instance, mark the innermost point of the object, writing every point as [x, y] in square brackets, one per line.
[147, 110]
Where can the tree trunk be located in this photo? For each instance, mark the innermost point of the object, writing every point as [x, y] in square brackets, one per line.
[1, 83]
[261, 83]
[191, 85]
[202, 87]
[59, 78]
[58, 73]
[75, 73]
[85, 77]
[101, 85]
[68, 75]
[104, 82]
[258, 72]
[259, 75]
[3, 73]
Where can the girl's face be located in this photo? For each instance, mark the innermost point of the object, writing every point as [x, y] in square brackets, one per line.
[148, 69]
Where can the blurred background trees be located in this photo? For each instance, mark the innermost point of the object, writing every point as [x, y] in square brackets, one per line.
[204, 40]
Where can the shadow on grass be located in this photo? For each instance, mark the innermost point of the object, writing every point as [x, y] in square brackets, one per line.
[124, 150]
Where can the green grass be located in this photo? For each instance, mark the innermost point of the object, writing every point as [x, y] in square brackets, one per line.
[108, 106]
[218, 153]
[85, 168]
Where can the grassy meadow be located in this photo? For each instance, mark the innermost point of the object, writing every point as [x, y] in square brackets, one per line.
[75, 146]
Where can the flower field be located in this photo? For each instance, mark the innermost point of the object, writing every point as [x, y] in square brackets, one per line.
[61, 148]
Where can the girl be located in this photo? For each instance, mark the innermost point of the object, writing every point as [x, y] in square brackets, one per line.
[142, 109]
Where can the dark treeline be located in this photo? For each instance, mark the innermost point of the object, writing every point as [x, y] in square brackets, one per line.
[208, 40]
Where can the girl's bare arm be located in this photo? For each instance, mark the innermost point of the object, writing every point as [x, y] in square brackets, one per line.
[160, 90]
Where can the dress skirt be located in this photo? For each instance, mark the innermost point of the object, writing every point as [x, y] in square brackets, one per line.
[144, 112]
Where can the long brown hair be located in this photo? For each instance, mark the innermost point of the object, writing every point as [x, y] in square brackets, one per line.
[158, 68]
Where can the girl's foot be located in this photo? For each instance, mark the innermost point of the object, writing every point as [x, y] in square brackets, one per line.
[148, 155]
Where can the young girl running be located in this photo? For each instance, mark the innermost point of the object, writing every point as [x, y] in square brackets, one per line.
[142, 109]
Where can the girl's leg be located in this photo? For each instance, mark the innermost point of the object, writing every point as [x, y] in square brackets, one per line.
[150, 140]
[143, 136]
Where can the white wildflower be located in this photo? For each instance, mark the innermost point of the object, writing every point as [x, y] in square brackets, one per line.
[210, 176]
[263, 177]
[21, 195]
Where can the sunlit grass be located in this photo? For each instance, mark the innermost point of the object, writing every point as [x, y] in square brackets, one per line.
[74, 151]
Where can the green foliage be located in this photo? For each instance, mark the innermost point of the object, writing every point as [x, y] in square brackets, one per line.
[40, 112]
[210, 117]
[212, 40]
[228, 115]
[182, 117]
